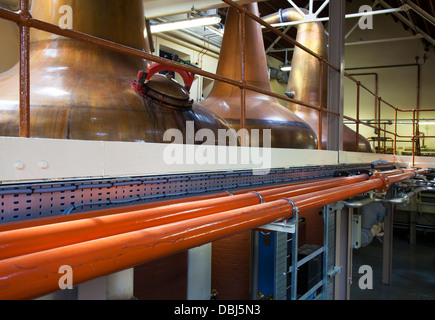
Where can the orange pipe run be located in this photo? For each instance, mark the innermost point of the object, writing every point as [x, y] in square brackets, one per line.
[37, 274]
[33, 275]
[143, 206]
[29, 240]
[97, 213]
[117, 210]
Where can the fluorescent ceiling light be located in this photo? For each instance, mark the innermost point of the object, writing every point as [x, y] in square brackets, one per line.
[286, 68]
[184, 24]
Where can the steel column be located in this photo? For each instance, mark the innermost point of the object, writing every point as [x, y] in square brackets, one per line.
[337, 10]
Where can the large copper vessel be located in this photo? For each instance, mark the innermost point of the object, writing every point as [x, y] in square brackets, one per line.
[262, 111]
[231, 257]
[82, 92]
[304, 80]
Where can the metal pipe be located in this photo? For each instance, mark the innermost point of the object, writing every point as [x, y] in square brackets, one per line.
[33, 239]
[405, 198]
[358, 203]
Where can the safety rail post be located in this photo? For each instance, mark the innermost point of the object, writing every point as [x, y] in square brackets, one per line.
[413, 137]
[378, 103]
[24, 26]
[320, 123]
[395, 132]
[358, 93]
[242, 35]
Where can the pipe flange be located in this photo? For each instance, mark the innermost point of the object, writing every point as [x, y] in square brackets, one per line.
[385, 182]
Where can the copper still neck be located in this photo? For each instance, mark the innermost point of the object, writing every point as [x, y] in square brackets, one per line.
[262, 111]
[117, 21]
[304, 81]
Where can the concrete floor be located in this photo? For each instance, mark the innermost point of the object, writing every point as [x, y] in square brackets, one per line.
[413, 275]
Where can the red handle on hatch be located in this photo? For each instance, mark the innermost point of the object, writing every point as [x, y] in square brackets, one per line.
[188, 77]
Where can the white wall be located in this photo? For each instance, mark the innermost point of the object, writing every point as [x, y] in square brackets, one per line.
[398, 86]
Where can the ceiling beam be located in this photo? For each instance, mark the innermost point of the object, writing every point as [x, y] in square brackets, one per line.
[409, 23]
[421, 12]
[164, 8]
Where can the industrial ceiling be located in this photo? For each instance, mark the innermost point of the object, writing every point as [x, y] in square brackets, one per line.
[418, 18]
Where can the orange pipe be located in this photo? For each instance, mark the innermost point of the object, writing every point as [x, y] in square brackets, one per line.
[117, 210]
[33, 275]
[97, 213]
[29, 240]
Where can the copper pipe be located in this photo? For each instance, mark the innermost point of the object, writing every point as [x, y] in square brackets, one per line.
[242, 35]
[413, 137]
[379, 124]
[33, 275]
[320, 128]
[395, 131]
[358, 89]
[33, 239]
[24, 25]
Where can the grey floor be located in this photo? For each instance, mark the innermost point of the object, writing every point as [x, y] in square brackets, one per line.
[413, 275]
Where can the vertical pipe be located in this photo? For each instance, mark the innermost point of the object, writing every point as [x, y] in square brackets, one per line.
[379, 124]
[320, 123]
[294, 268]
[413, 137]
[418, 109]
[325, 251]
[395, 131]
[24, 25]
[358, 93]
[242, 30]
[387, 250]
[337, 11]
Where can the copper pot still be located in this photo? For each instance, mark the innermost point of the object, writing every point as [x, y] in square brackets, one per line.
[304, 78]
[262, 111]
[82, 92]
